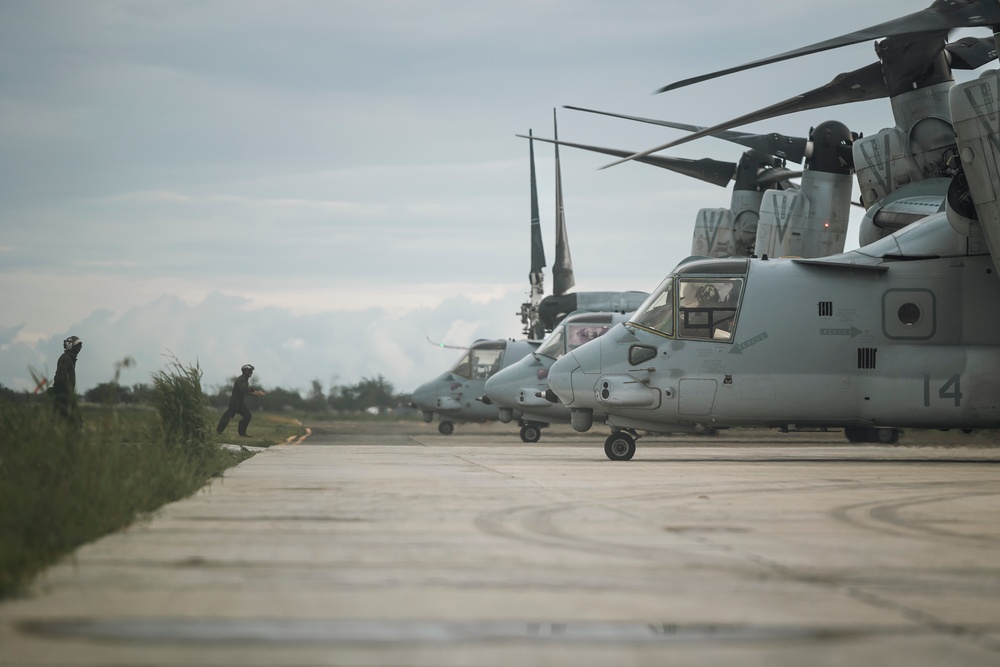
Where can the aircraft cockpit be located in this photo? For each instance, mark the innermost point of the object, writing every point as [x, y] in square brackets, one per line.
[481, 361]
[700, 301]
[573, 332]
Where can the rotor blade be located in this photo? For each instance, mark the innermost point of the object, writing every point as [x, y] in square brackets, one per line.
[651, 121]
[537, 247]
[716, 172]
[941, 15]
[971, 52]
[777, 175]
[562, 268]
[778, 145]
[860, 85]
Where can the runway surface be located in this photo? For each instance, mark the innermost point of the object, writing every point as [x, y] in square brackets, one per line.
[394, 545]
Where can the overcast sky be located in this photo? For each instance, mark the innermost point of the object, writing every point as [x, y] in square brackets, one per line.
[317, 187]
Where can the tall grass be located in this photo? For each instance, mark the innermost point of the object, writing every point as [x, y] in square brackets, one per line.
[183, 408]
[61, 486]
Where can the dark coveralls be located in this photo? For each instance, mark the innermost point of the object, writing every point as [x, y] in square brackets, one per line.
[64, 389]
[237, 406]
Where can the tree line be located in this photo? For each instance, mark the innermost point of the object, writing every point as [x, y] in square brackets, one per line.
[369, 394]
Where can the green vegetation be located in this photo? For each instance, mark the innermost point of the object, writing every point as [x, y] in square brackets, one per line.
[369, 394]
[62, 486]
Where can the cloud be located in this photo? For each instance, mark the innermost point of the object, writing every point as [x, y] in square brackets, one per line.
[8, 334]
[221, 333]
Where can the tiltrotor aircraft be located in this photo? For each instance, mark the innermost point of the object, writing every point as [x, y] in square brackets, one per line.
[457, 394]
[519, 390]
[899, 333]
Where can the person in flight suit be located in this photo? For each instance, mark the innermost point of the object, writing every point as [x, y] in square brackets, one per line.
[64, 383]
[237, 403]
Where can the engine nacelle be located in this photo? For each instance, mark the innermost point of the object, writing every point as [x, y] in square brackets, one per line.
[976, 118]
[919, 148]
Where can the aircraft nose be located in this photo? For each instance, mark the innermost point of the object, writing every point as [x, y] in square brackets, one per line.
[572, 377]
[500, 387]
[424, 396]
[561, 377]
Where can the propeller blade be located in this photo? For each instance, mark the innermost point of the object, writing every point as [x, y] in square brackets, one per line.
[942, 15]
[712, 171]
[971, 52]
[778, 175]
[651, 121]
[860, 85]
[562, 268]
[537, 247]
[778, 145]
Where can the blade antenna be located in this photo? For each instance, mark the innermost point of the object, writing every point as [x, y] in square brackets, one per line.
[443, 346]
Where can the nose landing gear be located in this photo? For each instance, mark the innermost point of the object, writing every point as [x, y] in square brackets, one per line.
[620, 446]
[531, 433]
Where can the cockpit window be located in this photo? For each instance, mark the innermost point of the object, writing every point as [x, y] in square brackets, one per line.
[480, 363]
[464, 366]
[657, 314]
[579, 333]
[571, 334]
[554, 344]
[706, 307]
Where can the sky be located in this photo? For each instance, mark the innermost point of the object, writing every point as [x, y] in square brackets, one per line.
[324, 189]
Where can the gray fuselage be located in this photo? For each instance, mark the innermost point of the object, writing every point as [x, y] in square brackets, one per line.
[902, 333]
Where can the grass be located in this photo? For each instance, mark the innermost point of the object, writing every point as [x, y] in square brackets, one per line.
[63, 486]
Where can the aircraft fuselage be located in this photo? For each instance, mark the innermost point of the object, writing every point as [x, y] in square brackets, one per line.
[852, 340]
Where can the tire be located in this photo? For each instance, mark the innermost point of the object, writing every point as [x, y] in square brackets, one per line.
[856, 434]
[530, 433]
[446, 428]
[619, 446]
[887, 436]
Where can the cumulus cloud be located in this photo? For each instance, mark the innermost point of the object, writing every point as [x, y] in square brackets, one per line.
[220, 334]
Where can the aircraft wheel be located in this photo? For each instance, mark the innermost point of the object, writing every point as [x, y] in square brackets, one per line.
[619, 446]
[446, 428]
[887, 436]
[530, 433]
[856, 433]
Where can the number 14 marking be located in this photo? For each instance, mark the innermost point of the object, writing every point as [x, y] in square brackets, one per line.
[953, 383]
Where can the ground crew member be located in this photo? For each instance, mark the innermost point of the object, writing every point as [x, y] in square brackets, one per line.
[64, 383]
[237, 403]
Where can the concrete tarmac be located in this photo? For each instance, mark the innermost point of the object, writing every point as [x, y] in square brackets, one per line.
[401, 546]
